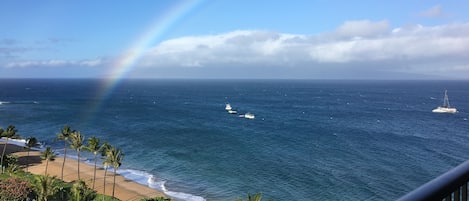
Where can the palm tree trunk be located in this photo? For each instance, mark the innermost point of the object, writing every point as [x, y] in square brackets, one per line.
[94, 174]
[65, 155]
[104, 189]
[3, 155]
[114, 183]
[47, 164]
[78, 154]
[27, 162]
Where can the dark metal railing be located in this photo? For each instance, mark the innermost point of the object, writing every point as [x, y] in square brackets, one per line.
[450, 186]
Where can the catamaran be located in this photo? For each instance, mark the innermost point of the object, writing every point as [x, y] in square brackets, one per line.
[445, 108]
[228, 107]
[249, 116]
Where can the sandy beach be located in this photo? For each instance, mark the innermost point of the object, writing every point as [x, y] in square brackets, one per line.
[124, 190]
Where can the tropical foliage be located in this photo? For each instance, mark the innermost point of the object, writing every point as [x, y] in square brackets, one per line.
[48, 155]
[14, 189]
[20, 185]
[10, 163]
[255, 197]
[77, 143]
[114, 158]
[64, 135]
[46, 187]
[104, 149]
[94, 147]
[156, 199]
[10, 132]
[80, 192]
[30, 143]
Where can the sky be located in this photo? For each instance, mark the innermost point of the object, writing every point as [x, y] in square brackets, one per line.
[235, 39]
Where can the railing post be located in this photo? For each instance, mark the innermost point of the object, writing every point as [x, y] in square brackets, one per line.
[457, 194]
[464, 191]
[448, 198]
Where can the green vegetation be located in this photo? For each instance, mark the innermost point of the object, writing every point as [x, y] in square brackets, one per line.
[256, 197]
[11, 164]
[45, 187]
[10, 132]
[48, 155]
[25, 186]
[104, 149]
[64, 135]
[14, 189]
[30, 143]
[114, 158]
[77, 143]
[81, 192]
[156, 199]
[94, 147]
[20, 185]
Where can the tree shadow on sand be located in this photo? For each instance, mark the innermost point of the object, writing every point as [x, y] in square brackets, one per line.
[34, 157]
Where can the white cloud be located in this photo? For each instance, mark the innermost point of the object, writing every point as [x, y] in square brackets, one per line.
[355, 46]
[238, 47]
[373, 45]
[54, 63]
[435, 11]
[363, 28]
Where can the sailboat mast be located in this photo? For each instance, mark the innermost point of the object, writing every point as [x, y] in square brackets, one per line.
[446, 100]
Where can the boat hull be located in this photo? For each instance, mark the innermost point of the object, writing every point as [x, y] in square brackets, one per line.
[232, 112]
[444, 110]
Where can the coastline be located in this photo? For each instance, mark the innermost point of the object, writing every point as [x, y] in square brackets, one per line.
[125, 190]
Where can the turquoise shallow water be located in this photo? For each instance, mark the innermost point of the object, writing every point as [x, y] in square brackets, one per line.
[310, 140]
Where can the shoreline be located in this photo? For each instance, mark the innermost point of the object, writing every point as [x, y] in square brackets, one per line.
[125, 190]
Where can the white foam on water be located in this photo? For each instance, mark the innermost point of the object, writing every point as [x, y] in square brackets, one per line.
[151, 181]
[160, 185]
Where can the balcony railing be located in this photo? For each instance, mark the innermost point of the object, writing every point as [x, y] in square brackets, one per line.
[450, 186]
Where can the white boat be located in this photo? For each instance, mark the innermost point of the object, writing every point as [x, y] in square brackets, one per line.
[228, 107]
[249, 116]
[445, 108]
[232, 111]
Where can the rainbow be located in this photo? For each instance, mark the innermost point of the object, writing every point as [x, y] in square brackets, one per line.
[124, 64]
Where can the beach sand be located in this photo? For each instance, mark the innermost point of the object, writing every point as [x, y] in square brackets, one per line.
[125, 189]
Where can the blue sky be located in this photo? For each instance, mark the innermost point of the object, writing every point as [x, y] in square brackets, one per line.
[312, 39]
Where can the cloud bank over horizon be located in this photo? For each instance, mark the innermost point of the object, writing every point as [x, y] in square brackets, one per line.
[355, 49]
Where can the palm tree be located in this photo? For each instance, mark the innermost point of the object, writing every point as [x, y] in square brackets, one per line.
[30, 143]
[76, 143]
[93, 146]
[64, 135]
[45, 187]
[10, 132]
[48, 155]
[114, 158]
[103, 150]
[81, 192]
[256, 197]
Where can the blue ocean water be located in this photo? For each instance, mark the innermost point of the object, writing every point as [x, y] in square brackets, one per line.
[310, 140]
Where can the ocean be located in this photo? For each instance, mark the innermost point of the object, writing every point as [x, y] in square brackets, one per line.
[310, 139]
